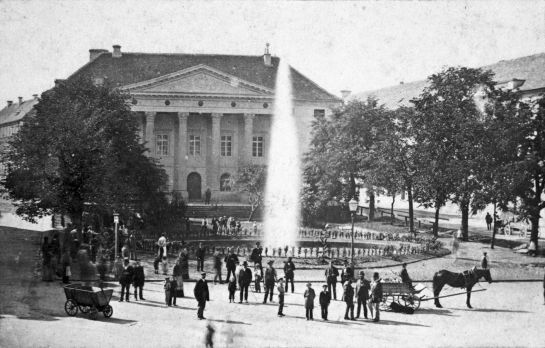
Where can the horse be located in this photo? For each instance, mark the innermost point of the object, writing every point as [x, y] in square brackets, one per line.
[466, 279]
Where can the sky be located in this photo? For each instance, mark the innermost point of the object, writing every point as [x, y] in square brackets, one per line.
[352, 45]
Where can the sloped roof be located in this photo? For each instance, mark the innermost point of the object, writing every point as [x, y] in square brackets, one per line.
[137, 67]
[16, 111]
[529, 68]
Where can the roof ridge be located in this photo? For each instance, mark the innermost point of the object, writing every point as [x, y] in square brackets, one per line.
[189, 54]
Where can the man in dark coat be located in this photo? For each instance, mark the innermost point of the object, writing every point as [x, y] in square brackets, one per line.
[331, 274]
[348, 298]
[244, 281]
[347, 272]
[270, 279]
[289, 268]
[362, 294]
[325, 299]
[201, 295]
[405, 275]
[488, 219]
[126, 278]
[200, 258]
[376, 296]
[256, 255]
[231, 261]
[138, 280]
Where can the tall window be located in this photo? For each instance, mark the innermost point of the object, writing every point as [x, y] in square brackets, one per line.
[226, 145]
[257, 146]
[194, 145]
[225, 182]
[161, 144]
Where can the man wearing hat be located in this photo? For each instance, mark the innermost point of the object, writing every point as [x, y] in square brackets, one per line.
[325, 299]
[201, 295]
[125, 279]
[376, 296]
[270, 279]
[348, 297]
[281, 292]
[362, 293]
[331, 274]
[244, 280]
[289, 268]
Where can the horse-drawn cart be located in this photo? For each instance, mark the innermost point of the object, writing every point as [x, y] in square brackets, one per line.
[87, 299]
[400, 293]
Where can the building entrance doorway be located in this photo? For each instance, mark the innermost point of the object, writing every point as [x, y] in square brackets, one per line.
[194, 189]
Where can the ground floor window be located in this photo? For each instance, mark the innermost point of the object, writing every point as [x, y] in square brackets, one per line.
[257, 146]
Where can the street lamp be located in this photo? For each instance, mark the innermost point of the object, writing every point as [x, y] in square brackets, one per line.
[352, 206]
[116, 221]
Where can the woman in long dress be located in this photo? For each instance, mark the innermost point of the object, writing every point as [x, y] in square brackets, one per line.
[184, 264]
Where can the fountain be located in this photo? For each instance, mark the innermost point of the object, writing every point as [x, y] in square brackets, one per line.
[282, 205]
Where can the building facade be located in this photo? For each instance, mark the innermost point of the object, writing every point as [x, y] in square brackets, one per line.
[204, 116]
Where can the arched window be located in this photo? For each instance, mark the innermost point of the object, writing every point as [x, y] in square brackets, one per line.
[225, 182]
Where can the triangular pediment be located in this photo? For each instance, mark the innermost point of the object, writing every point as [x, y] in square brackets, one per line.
[202, 80]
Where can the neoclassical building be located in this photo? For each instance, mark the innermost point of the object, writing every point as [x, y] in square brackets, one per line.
[203, 116]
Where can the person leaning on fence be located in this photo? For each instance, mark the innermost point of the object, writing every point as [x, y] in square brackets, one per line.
[325, 299]
[138, 281]
[376, 297]
[331, 274]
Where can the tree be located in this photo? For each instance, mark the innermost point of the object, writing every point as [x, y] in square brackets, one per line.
[340, 153]
[251, 179]
[449, 128]
[81, 149]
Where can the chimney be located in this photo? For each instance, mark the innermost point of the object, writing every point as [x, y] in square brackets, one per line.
[10, 102]
[267, 56]
[35, 96]
[345, 93]
[117, 51]
[95, 52]
[20, 100]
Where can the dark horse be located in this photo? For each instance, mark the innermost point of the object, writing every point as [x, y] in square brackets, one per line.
[462, 280]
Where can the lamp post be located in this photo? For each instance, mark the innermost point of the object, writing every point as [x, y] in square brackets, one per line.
[116, 221]
[352, 206]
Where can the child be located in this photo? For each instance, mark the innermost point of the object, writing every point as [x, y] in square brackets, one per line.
[258, 277]
[232, 287]
[173, 287]
[309, 301]
[325, 299]
[167, 291]
[281, 292]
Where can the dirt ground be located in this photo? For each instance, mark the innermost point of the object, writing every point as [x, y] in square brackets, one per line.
[506, 314]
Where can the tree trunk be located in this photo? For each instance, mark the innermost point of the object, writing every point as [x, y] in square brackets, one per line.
[371, 194]
[436, 221]
[392, 209]
[252, 211]
[464, 206]
[534, 219]
[411, 211]
[493, 229]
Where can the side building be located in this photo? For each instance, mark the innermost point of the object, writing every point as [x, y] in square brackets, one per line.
[204, 116]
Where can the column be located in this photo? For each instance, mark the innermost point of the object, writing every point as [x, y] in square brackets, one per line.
[214, 170]
[181, 153]
[248, 133]
[150, 126]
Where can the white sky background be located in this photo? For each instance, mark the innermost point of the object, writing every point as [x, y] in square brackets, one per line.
[340, 45]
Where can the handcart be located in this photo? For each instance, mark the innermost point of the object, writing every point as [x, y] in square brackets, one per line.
[89, 300]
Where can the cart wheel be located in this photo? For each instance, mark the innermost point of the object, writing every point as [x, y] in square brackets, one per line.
[93, 313]
[411, 301]
[108, 311]
[85, 309]
[71, 308]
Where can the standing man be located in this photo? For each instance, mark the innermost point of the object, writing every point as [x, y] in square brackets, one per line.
[348, 297]
[138, 281]
[217, 267]
[309, 301]
[362, 294]
[484, 261]
[281, 292]
[488, 219]
[204, 229]
[200, 258]
[289, 268]
[201, 295]
[270, 280]
[125, 280]
[376, 296]
[231, 261]
[325, 299]
[347, 272]
[256, 255]
[207, 196]
[244, 280]
[331, 274]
